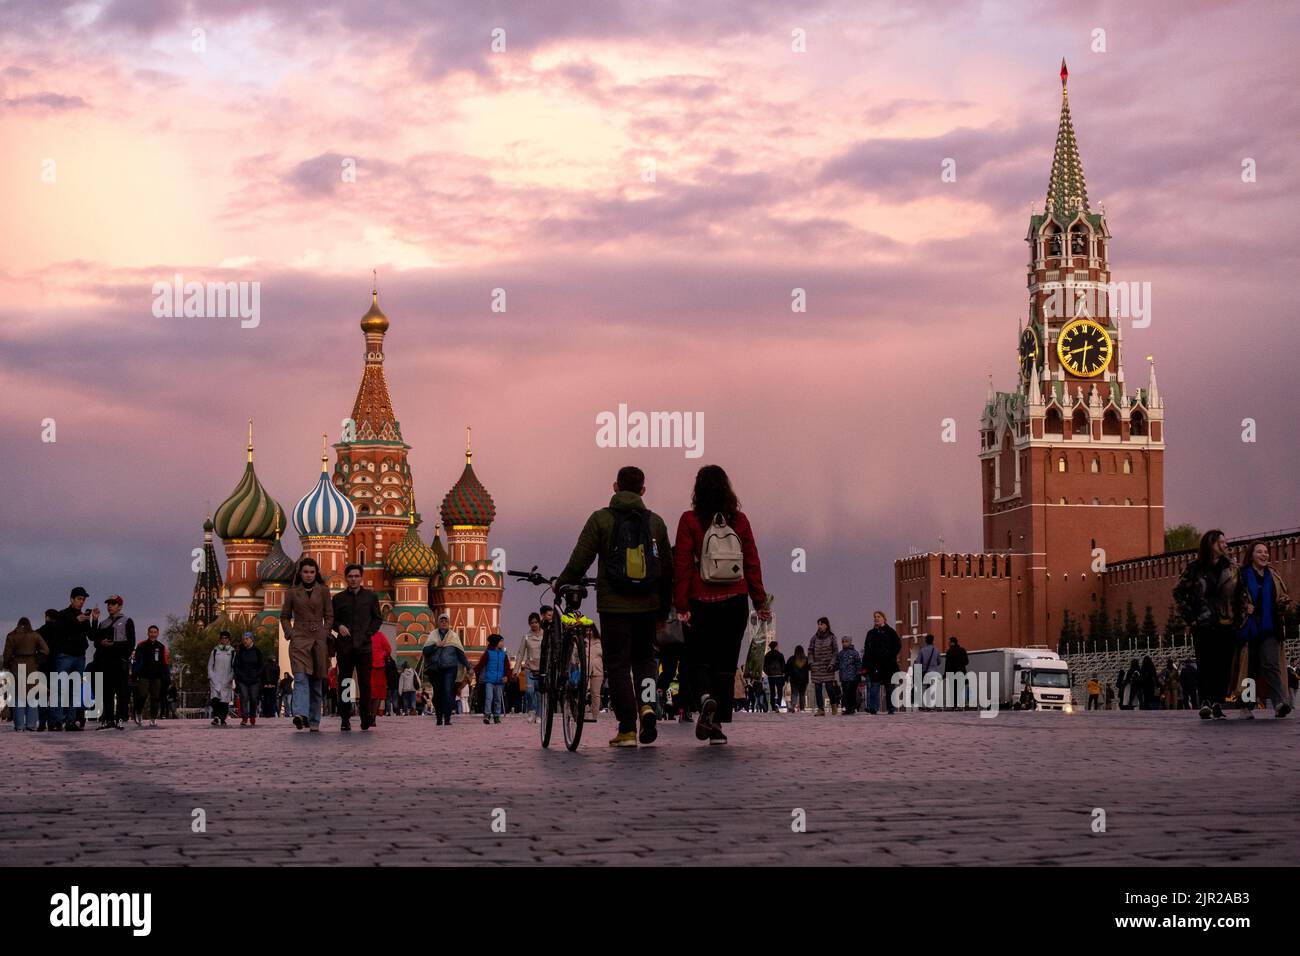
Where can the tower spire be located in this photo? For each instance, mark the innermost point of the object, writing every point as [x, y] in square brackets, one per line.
[250, 439]
[324, 453]
[1153, 391]
[1067, 193]
[469, 455]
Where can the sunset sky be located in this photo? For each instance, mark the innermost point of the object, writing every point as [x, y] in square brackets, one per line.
[526, 170]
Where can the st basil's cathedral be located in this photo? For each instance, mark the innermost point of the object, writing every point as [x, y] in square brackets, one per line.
[362, 512]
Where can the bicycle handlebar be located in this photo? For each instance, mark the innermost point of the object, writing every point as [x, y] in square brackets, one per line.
[538, 579]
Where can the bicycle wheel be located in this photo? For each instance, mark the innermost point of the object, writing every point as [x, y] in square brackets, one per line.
[573, 700]
[546, 689]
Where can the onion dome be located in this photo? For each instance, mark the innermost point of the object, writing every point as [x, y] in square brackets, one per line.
[249, 512]
[439, 552]
[208, 526]
[277, 567]
[374, 320]
[468, 502]
[411, 557]
[324, 509]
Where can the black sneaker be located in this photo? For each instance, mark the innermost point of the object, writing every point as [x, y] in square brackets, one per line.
[648, 719]
[1216, 711]
[487, 720]
[705, 726]
[298, 722]
[1281, 711]
[345, 727]
[716, 736]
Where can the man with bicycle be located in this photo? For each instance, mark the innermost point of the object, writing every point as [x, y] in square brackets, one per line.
[633, 596]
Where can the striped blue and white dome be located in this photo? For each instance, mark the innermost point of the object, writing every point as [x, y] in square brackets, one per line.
[324, 510]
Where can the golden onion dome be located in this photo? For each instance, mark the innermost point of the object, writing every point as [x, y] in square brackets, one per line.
[374, 320]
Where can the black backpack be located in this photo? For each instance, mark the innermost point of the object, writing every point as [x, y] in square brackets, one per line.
[632, 567]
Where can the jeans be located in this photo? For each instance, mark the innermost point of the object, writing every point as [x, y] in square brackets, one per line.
[531, 700]
[629, 647]
[24, 717]
[248, 694]
[408, 700]
[872, 696]
[713, 638]
[776, 686]
[493, 701]
[820, 687]
[71, 709]
[798, 696]
[307, 695]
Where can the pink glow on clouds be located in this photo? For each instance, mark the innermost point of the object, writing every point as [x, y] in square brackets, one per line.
[523, 171]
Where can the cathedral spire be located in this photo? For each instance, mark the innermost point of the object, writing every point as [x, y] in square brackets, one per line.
[205, 605]
[372, 412]
[1153, 391]
[1067, 193]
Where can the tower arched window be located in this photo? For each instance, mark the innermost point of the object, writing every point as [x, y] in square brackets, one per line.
[1138, 424]
[1096, 465]
[1128, 465]
[1078, 241]
[1110, 423]
[1052, 424]
[1079, 423]
[1063, 501]
[1054, 245]
[1061, 465]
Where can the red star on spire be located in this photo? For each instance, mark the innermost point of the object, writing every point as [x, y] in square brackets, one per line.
[1065, 73]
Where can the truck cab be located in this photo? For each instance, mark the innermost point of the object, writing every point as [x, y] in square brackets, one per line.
[1048, 678]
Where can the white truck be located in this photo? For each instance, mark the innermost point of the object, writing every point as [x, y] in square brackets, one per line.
[1041, 670]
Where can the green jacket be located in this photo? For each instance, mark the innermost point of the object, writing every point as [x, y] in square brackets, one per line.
[594, 542]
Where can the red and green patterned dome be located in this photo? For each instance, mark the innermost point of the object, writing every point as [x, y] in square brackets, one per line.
[468, 502]
[411, 557]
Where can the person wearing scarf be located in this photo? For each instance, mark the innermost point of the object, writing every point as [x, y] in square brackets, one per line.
[1259, 608]
[444, 661]
[306, 617]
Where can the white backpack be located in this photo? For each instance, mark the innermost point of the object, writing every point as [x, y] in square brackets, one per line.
[721, 559]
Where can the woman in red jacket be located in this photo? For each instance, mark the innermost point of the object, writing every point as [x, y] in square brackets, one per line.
[380, 651]
[715, 570]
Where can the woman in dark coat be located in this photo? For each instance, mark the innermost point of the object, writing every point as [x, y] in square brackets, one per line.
[306, 618]
[1260, 606]
[796, 671]
[1149, 680]
[1204, 598]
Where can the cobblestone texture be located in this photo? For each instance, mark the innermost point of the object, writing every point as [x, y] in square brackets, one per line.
[914, 788]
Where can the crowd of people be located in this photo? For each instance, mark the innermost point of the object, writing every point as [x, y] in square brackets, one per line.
[673, 617]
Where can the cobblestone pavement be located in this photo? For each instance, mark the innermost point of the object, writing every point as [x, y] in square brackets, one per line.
[914, 788]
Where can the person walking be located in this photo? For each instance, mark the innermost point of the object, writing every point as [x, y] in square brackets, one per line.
[797, 671]
[774, 669]
[444, 658]
[530, 662]
[956, 662]
[1148, 680]
[848, 665]
[356, 619]
[493, 670]
[25, 655]
[114, 644]
[1204, 596]
[927, 660]
[248, 665]
[284, 695]
[221, 677]
[406, 687]
[883, 646]
[307, 616]
[821, 662]
[1190, 681]
[392, 677]
[1260, 605]
[270, 674]
[381, 654]
[717, 574]
[151, 656]
[634, 591]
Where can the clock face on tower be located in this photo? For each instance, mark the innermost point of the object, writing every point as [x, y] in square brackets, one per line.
[1029, 353]
[1084, 348]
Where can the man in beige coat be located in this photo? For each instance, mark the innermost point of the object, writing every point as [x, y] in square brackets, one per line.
[24, 654]
[306, 617]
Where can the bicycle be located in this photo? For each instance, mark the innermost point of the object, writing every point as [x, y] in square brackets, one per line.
[562, 680]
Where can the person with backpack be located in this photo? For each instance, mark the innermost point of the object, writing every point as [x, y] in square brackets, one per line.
[822, 653]
[1204, 596]
[717, 574]
[221, 677]
[796, 672]
[634, 590]
[493, 670]
[881, 662]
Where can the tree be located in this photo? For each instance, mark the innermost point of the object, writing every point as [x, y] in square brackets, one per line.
[1183, 537]
[190, 645]
[1174, 623]
[1130, 622]
[1099, 626]
[1149, 625]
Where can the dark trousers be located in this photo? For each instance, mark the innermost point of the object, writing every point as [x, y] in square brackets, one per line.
[150, 697]
[1094, 702]
[777, 686]
[350, 660]
[850, 695]
[268, 701]
[444, 692]
[713, 639]
[1215, 645]
[117, 691]
[220, 709]
[671, 659]
[628, 643]
[248, 694]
